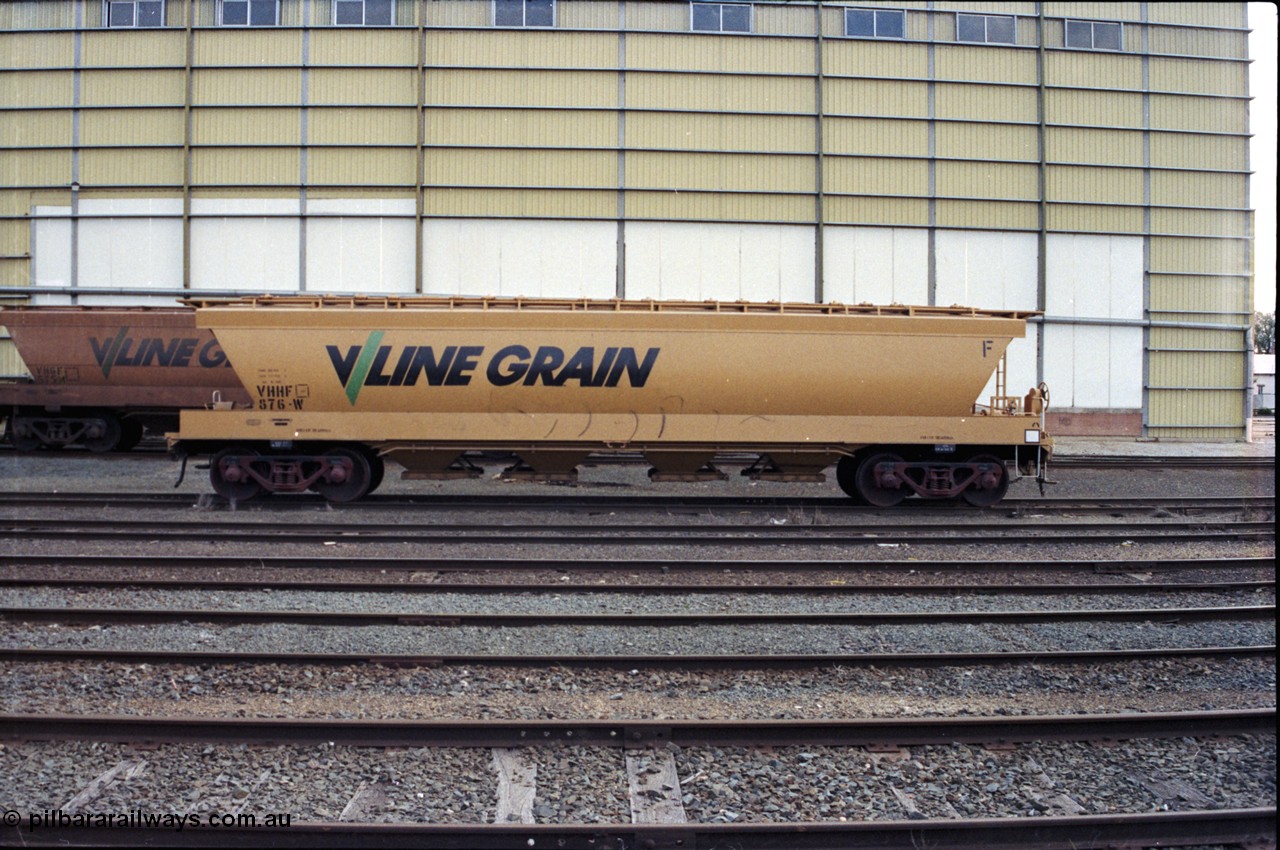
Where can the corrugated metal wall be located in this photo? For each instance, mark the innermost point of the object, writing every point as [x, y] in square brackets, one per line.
[324, 153]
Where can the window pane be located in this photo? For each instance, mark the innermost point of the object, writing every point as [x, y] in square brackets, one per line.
[706, 17]
[1079, 34]
[235, 12]
[860, 22]
[540, 13]
[508, 13]
[735, 18]
[378, 12]
[1000, 30]
[262, 13]
[891, 24]
[121, 15]
[348, 12]
[1106, 36]
[970, 28]
[151, 13]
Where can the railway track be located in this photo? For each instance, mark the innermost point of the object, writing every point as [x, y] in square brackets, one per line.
[630, 534]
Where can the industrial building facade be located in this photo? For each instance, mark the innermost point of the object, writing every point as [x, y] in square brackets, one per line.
[1089, 160]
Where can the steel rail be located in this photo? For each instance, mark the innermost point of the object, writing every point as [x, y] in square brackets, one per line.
[647, 501]
[1253, 827]
[662, 566]
[897, 731]
[649, 588]
[509, 620]
[542, 662]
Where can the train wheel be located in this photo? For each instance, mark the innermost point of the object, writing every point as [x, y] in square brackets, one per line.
[230, 480]
[377, 470]
[28, 440]
[871, 490]
[357, 484]
[847, 478]
[108, 438]
[988, 495]
[130, 434]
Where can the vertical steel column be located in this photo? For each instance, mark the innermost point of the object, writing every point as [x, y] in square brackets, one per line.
[1146, 226]
[1042, 212]
[419, 202]
[932, 228]
[304, 132]
[186, 146]
[819, 199]
[620, 251]
[77, 50]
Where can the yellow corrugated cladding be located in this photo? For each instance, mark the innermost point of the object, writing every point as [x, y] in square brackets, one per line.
[701, 131]
[876, 98]
[868, 136]
[39, 168]
[522, 49]
[985, 103]
[521, 128]
[1094, 11]
[1093, 70]
[1200, 256]
[869, 176]
[132, 88]
[275, 126]
[37, 88]
[1094, 185]
[1074, 145]
[987, 180]
[360, 86]
[362, 167]
[881, 211]
[1175, 112]
[719, 93]
[1197, 14]
[1181, 41]
[784, 19]
[1200, 222]
[1083, 218]
[519, 88]
[133, 48]
[457, 13]
[248, 47]
[356, 126]
[986, 215]
[666, 17]
[356, 46]
[1173, 150]
[987, 141]
[985, 64]
[1198, 76]
[1183, 409]
[720, 172]
[533, 168]
[39, 14]
[711, 206]
[1200, 293]
[520, 203]
[131, 127]
[587, 14]
[875, 59]
[1198, 189]
[245, 166]
[1103, 109]
[131, 167]
[248, 86]
[36, 129]
[37, 49]
[723, 53]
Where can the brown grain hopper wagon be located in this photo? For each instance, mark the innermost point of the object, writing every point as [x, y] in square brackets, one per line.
[100, 376]
[338, 385]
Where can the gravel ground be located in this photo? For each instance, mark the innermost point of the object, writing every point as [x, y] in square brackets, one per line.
[584, 785]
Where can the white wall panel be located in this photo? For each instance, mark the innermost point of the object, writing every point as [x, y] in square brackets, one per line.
[878, 265]
[996, 271]
[1094, 276]
[719, 262]
[140, 248]
[360, 246]
[244, 247]
[51, 247]
[1088, 366]
[551, 259]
